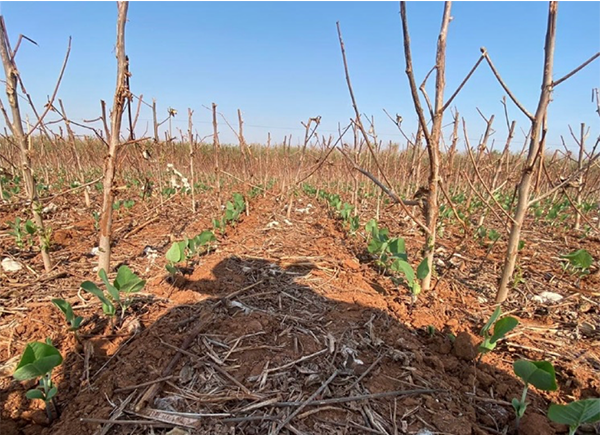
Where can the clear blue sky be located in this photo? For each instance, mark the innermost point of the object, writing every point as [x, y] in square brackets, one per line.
[280, 62]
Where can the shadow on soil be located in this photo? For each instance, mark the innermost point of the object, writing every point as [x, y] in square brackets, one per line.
[248, 344]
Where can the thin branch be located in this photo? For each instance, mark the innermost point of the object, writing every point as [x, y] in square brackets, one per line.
[424, 92]
[506, 89]
[51, 101]
[410, 74]
[483, 183]
[21, 37]
[354, 105]
[464, 82]
[403, 202]
[576, 70]
[567, 180]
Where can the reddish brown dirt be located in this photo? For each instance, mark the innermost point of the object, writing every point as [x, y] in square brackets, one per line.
[282, 313]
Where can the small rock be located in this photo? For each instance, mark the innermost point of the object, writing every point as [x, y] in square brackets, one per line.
[547, 298]
[464, 346]
[10, 265]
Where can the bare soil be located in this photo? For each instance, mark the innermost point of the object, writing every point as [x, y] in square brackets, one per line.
[288, 327]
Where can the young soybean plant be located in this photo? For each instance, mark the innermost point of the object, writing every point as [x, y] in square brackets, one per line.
[184, 250]
[392, 255]
[540, 374]
[576, 413]
[126, 282]
[67, 309]
[38, 361]
[501, 328]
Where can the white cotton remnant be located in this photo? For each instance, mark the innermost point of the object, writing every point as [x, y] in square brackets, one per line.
[50, 208]
[10, 265]
[424, 432]
[547, 298]
[177, 179]
[244, 308]
[152, 255]
[272, 225]
[95, 251]
[305, 210]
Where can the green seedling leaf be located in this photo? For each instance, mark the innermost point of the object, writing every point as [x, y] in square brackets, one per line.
[376, 246]
[491, 321]
[175, 254]
[486, 346]
[107, 306]
[398, 248]
[65, 307]
[37, 360]
[190, 245]
[502, 327]
[51, 393]
[540, 374]
[238, 199]
[76, 323]
[205, 236]
[127, 281]
[35, 394]
[580, 259]
[404, 267]
[519, 407]
[493, 235]
[172, 269]
[423, 269]
[575, 413]
[371, 228]
[30, 227]
[112, 290]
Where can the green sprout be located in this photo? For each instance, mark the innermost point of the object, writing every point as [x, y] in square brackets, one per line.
[578, 261]
[21, 235]
[391, 253]
[67, 309]
[234, 209]
[501, 328]
[184, 250]
[126, 282]
[38, 361]
[540, 374]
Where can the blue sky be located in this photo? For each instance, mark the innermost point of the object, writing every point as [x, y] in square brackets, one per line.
[280, 62]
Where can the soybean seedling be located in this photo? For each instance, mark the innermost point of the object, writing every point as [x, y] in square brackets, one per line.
[392, 255]
[126, 282]
[20, 235]
[576, 413]
[579, 261]
[234, 209]
[540, 374]
[38, 361]
[67, 309]
[501, 328]
[184, 250]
